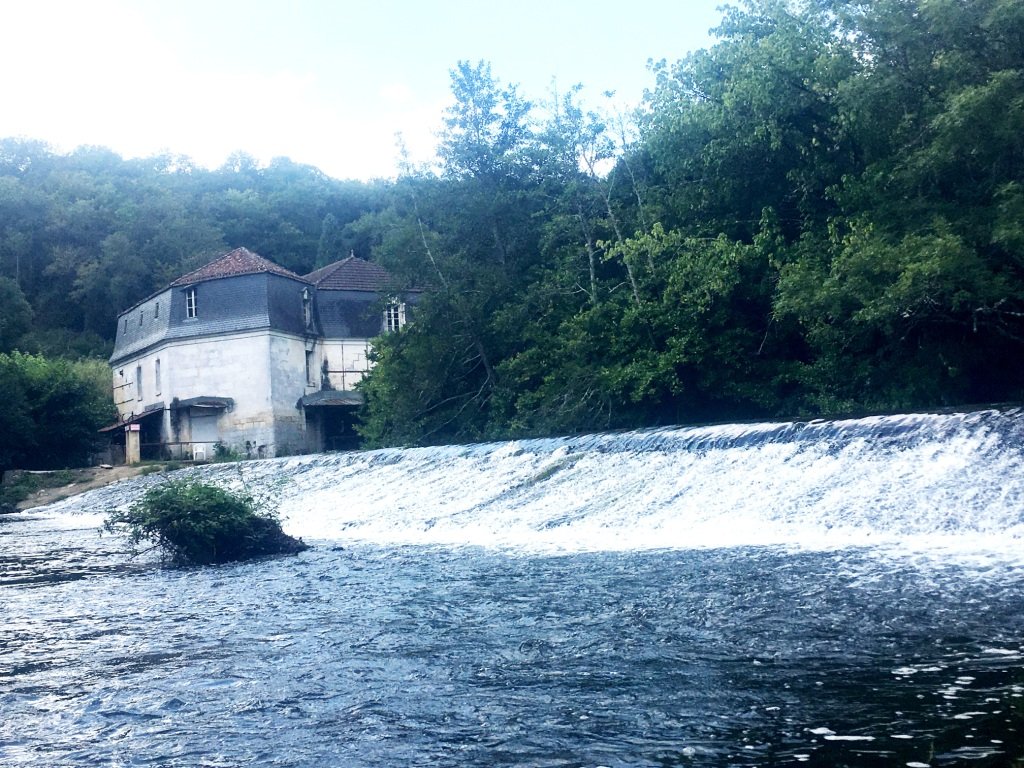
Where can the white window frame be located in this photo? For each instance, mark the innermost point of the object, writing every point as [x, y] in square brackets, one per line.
[394, 316]
[156, 376]
[191, 309]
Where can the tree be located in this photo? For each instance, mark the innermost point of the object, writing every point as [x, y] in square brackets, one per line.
[471, 237]
[15, 421]
[916, 286]
[329, 247]
[15, 314]
[753, 123]
[486, 128]
[52, 410]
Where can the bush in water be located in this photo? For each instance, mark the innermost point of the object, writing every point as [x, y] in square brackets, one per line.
[201, 524]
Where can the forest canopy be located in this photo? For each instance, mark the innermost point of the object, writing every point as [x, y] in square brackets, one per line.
[822, 213]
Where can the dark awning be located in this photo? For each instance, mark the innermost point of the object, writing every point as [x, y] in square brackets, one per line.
[331, 398]
[204, 401]
[133, 418]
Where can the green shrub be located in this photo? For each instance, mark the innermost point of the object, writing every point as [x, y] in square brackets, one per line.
[225, 453]
[160, 466]
[200, 524]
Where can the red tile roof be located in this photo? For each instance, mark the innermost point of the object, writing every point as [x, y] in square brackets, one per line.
[240, 261]
[351, 274]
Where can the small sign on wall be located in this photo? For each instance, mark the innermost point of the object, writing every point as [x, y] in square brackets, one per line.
[133, 428]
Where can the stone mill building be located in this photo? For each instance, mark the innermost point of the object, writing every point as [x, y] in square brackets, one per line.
[244, 355]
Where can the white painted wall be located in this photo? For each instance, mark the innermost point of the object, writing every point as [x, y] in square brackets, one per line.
[287, 361]
[348, 361]
[263, 372]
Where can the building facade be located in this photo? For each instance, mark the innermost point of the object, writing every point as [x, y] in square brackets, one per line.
[244, 355]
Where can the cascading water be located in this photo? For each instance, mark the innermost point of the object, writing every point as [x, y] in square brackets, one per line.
[811, 485]
[825, 593]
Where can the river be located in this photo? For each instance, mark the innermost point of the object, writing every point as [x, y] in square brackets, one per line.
[825, 594]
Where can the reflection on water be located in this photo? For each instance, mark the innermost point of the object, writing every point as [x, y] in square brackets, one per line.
[460, 656]
[383, 653]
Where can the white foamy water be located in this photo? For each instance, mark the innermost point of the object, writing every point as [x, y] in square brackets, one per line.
[949, 485]
[945, 483]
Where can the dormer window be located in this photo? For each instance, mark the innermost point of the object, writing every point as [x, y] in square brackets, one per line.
[394, 315]
[190, 302]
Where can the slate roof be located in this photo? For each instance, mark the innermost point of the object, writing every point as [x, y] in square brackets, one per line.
[260, 294]
[240, 261]
[349, 314]
[246, 302]
[351, 274]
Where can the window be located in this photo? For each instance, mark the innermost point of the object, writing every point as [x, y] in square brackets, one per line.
[138, 382]
[156, 377]
[156, 311]
[394, 316]
[310, 381]
[190, 302]
[141, 313]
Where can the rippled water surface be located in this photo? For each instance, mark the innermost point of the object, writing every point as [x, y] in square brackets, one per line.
[385, 652]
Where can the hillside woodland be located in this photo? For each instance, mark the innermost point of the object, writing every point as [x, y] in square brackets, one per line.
[822, 213]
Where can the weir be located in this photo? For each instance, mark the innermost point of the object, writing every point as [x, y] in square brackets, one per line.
[919, 481]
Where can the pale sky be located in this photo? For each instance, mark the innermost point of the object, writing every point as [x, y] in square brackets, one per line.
[324, 83]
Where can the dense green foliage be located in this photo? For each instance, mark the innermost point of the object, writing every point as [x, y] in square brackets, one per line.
[51, 410]
[199, 524]
[85, 235]
[821, 213]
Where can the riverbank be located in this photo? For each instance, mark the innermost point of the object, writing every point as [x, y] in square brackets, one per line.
[60, 484]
